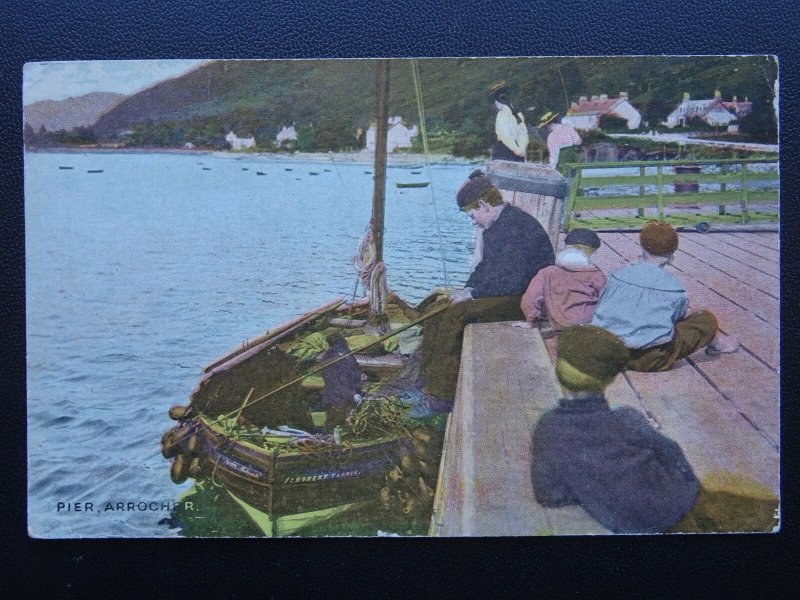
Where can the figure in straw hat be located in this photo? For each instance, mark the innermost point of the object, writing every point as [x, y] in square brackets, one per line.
[512, 133]
[561, 135]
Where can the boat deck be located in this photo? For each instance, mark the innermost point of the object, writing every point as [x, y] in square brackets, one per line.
[723, 410]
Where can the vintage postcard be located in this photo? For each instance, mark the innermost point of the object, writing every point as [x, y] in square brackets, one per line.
[402, 297]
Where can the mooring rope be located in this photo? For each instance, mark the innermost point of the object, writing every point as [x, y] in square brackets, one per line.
[424, 133]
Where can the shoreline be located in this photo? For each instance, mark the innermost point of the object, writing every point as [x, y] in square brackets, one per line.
[365, 158]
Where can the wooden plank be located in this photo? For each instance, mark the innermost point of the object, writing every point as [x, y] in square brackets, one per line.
[712, 242]
[748, 243]
[749, 298]
[768, 240]
[747, 275]
[713, 435]
[506, 382]
[271, 334]
[749, 385]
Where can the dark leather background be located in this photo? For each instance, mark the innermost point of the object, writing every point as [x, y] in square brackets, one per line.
[114, 29]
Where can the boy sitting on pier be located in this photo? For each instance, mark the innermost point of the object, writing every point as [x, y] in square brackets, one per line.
[647, 308]
[626, 475]
[567, 292]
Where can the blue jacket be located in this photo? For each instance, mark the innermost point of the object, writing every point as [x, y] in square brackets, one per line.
[515, 247]
[626, 475]
[641, 304]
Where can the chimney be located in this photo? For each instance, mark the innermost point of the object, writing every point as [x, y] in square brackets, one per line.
[623, 95]
[582, 99]
[734, 99]
[603, 96]
[686, 96]
[717, 94]
[745, 99]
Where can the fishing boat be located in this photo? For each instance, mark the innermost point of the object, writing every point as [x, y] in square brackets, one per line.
[413, 184]
[66, 168]
[247, 429]
[94, 171]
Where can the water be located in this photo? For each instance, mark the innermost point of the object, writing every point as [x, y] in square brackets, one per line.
[139, 276]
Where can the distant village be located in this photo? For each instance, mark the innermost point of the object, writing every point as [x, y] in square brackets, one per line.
[590, 113]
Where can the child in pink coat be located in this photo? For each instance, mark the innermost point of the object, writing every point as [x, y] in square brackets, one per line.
[567, 292]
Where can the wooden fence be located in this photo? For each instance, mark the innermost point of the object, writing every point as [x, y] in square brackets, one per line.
[732, 184]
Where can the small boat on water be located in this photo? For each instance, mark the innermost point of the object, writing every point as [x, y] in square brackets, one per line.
[94, 171]
[260, 173]
[206, 168]
[245, 169]
[416, 172]
[287, 169]
[251, 430]
[66, 168]
[313, 172]
[413, 184]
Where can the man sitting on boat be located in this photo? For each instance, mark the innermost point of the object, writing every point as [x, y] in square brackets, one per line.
[515, 248]
[647, 308]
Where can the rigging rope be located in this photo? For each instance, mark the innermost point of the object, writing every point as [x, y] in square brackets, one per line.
[424, 134]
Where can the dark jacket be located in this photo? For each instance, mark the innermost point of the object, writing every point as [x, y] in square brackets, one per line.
[342, 379]
[626, 475]
[515, 247]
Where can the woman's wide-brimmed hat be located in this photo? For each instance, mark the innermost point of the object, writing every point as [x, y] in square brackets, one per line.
[497, 88]
[546, 118]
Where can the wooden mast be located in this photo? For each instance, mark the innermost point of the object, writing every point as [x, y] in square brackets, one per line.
[381, 135]
[376, 319]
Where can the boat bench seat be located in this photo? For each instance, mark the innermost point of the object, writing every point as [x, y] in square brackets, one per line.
[505, 384]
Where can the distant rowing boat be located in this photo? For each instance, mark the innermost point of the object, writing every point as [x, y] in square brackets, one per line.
[416, 184]
[66, 168]
[95, 171]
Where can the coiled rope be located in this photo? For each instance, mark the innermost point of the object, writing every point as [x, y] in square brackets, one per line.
[372, 274]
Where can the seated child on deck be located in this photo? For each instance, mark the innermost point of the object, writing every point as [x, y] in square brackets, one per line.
[647, 308]
[566, 292]
[626, 475]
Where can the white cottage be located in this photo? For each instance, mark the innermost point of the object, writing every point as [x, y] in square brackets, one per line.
[238, 143]
[399, 136]
[714, 111]
[286, 134]
[585, 114]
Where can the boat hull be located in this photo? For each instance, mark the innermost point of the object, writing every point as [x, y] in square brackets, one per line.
[286, 482]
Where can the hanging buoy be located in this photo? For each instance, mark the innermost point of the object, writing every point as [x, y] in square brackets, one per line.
[179, 471]
[170, 443]
[178, 412]
[195, 468]
[191, 444]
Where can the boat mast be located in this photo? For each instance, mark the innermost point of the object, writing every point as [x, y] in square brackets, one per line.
[377, 317]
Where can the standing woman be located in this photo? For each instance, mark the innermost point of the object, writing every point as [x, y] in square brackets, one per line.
[512, 133]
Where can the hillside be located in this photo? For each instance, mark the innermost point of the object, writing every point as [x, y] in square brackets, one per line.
[80, 111]
[256, 97]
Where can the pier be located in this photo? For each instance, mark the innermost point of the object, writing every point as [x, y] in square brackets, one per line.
[723, 411]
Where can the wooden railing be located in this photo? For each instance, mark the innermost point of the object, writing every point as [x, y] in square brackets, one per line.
[665, 178]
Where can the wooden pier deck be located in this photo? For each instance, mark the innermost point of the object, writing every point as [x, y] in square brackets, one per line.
[723, 410]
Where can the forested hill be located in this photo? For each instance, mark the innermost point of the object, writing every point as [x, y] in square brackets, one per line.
[256, 97]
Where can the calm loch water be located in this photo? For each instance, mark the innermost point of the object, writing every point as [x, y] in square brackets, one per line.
[140, 275]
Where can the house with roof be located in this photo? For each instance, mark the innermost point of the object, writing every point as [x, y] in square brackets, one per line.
[714, 111]
[399, 136]
[586, 113]
[286, 134]
[238, 143]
